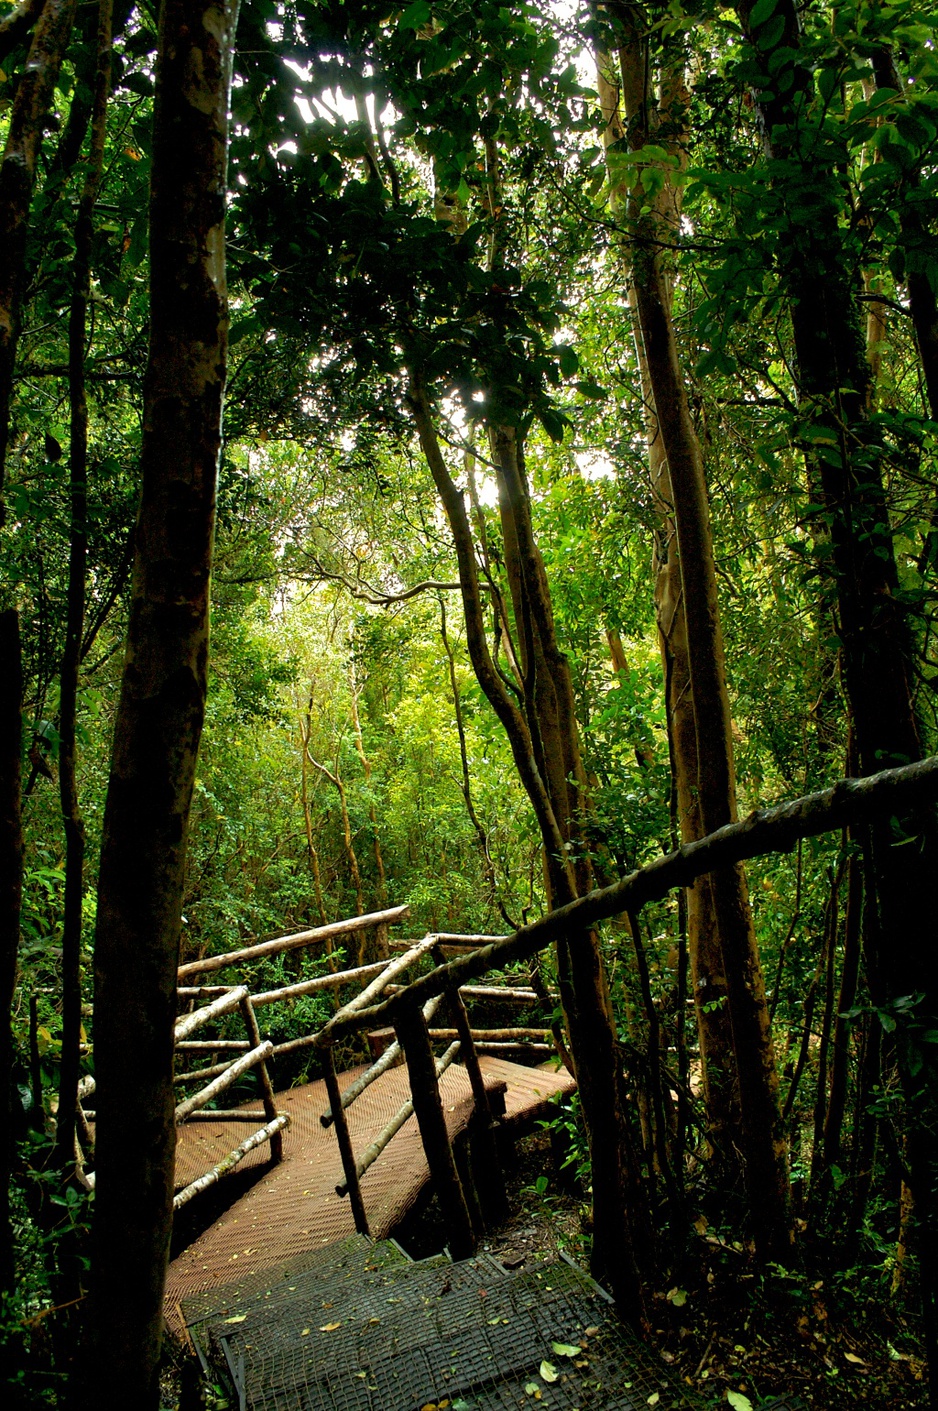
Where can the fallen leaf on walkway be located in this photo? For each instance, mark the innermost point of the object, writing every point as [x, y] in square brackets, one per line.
[549, 1372]
[329, 1327]
[566, 1349]
[238, 1318]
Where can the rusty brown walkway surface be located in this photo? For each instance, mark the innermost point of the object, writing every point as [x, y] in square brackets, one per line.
[293, 1208]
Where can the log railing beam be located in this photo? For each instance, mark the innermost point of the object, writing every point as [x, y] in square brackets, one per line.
[344, 1139]
[415, 1042]
[293, 942]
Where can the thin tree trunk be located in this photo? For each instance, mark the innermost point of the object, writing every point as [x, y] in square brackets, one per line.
[161, 710]
[75, 610]
[372, 811]
[335, 779]
[706, 961]
[34, 95]
[593, 1037]
[311, 849]
[11, 886]
[840, 1056]
[762, 1138]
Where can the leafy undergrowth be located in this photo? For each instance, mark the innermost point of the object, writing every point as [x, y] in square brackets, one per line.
[727, 1328]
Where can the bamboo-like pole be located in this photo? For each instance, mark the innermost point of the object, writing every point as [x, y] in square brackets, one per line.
[392, 969]
[190, 1022]
[415, 1041]
[381, 1065]
[529, 1050]
[196, 1075]
[321, 982]
[233, 1159]
[299, 938]
[371, 1153]
[229, 1114]
[202, 991]
[450, 941]
[267, 1087]
[223, 1081]
[489, 1036]
[211, 1045]
[492, 992]
[345, 1145]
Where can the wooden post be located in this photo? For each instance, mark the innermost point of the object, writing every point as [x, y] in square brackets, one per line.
[414, 1039]
[267, 1087]
[345, 1143]
[487, 1166]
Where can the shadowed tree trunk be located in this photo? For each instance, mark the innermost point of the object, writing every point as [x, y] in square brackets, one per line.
[762, 1140]
[75, 608]
[17, 176]
[703, 942]
[818, 279]
[161, 710]
[616, 1201]
[11, 883]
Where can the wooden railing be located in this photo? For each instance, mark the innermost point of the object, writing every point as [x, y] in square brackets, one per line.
[216, 1002]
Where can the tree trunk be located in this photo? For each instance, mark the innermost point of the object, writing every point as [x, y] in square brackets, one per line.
[817, 277]
[162, 703]
[17, 176]
[706, 962]
[762, 1141]
[75, 609]
[11, 886]
[366, 770]
[548, 707]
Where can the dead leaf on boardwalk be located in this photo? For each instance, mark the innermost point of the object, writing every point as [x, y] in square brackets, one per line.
[238, 1318]
[329, 1327]
[566, 1349]
[548, 1372]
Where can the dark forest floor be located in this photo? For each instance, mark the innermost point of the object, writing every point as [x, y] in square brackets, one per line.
[732, 1329]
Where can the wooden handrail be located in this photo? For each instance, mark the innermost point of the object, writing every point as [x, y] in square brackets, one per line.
[321, 982]
[268, 1133]
[299, 938]
[371, 1153]
[381, 1065]
[190, 1022]
[223, 1081]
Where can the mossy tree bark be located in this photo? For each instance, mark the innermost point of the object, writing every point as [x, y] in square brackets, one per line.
[161, 710]
[762, 1141]
[703, 942]
[11, 884]
[75, 607]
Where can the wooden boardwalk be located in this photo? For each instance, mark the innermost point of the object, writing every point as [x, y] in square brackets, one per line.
[293, 1207]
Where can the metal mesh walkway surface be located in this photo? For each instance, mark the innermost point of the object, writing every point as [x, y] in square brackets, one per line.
[293, 1211]
[363, 1330]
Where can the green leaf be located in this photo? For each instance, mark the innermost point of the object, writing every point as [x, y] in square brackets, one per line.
[549, 1372]
[566, 1349]
[415, 16]
[738, 1401]
[761, 11]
